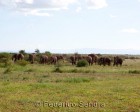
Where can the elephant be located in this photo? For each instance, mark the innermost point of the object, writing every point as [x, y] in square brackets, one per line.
[94, 58]
[43, 59]
[78, 57]
[60, 57]
[89, 59]
[101, 61]
[108, 61]
[16, 57]
[32, 57]
[53, 59]
[73, 60]
[104, 61]
[117, 61]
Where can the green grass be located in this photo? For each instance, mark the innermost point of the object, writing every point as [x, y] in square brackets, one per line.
[37, 88]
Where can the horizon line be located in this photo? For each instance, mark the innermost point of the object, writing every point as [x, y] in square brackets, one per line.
[82, 51]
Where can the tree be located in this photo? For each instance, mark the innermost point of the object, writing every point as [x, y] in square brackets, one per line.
[48, 53]
[37, 51]
[22, 52]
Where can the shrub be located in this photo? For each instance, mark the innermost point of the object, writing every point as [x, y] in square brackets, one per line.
[5, 59]
[5, 55]
[134, 71]
[48, 53]
[22, 62]
[22, 52]
[82, 63]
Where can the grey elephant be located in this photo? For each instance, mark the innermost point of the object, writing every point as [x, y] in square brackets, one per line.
[16, 57]
[89, 59]
[60, 57]
[43, 59]
[73, 60]
[94, 58]
[32, 57]
[53, 59]
[117, 61]
[104, 61]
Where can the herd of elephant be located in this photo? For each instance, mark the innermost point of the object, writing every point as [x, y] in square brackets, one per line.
[44, 59]
[91, 59]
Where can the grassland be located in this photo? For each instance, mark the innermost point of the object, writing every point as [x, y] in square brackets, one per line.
[66, 88]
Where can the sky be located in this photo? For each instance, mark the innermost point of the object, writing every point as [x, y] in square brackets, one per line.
[70, 25]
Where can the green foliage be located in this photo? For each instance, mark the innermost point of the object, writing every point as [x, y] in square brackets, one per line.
[134, 71]
[22, 52]
[5, 55]
[37, 51]
[48, 53]
[22, 62]
[82, 63]
[7, 63]
[5, 58]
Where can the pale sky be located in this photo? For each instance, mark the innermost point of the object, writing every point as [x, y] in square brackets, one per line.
[69, 24]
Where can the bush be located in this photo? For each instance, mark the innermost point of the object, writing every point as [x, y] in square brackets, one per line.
[22, 62]
[134, 71]
[82, 63]
[5, 59]
[48, 53]
[5, 55]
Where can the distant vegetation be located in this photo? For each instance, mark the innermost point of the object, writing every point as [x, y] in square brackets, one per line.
[82, 63]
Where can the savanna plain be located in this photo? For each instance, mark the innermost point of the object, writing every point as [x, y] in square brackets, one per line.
[67, 88]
